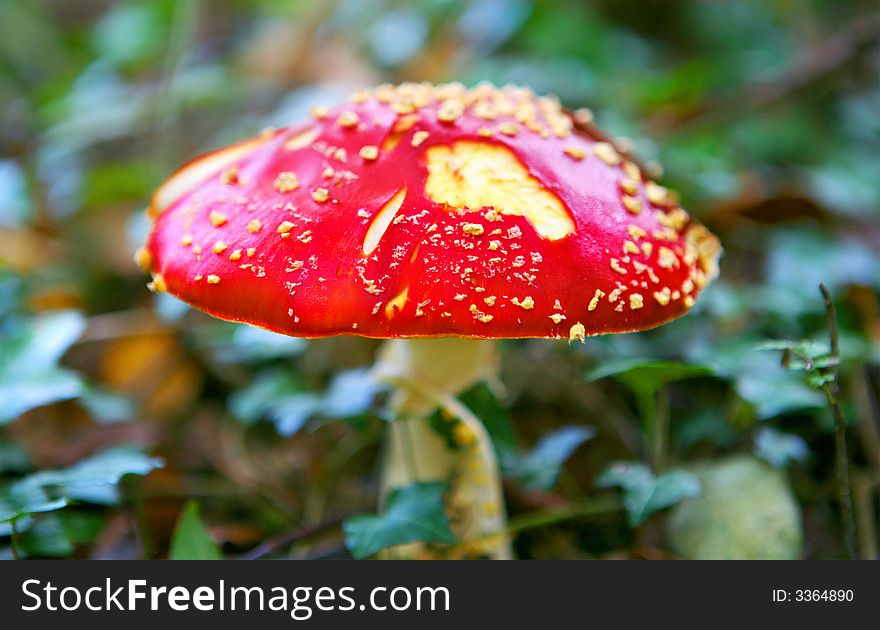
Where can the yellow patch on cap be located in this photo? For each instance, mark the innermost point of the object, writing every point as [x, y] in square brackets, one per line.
[474, 175]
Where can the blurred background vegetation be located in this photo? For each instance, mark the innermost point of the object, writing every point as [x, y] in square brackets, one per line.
[132, 426]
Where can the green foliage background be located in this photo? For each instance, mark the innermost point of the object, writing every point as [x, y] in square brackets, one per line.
[117, 406]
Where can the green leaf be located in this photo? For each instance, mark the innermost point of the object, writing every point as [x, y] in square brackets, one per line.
[18, 500]
[255, 401]
[539, 469]
[29, 374]
[106, 407]
[350, 394]
[710, 425]
[130, 33]
[250, 343]
[414, 514]
[778, 448]
[240, 343]
[41, 342]
[27, 391]
[799, 258]
[773, 390]
[81, 527]
[645, 375]
[643, 493]
[116, 182]
[12, 289]
[191, 539]
[803, 354]
[13, 458]
[276, 395]
[46, 538]
[819, 380]
[92, 480]
[55, 534]
[15, 203]
[105, 468]
[483, 402]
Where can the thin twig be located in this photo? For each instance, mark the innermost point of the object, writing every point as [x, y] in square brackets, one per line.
[661, 448]
[867, 422]
[864, 486]
[535, 520]
[832, 391]
[831, 315]
[288, 538]
[579, 509]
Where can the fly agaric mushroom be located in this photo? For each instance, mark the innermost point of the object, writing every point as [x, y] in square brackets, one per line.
[438, 217]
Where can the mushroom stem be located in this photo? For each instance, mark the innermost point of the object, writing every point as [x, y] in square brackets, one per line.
[427, 375]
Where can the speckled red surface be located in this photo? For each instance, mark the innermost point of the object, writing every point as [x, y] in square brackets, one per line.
[219, 244]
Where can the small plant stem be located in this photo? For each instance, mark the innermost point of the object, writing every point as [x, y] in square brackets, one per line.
[661, 435]
[288, 538]
[132, 489]
[13, 524]
[831, 315]
[831, 391]
[653, 409]
[579, 509]
[864, 485]
[647, 408]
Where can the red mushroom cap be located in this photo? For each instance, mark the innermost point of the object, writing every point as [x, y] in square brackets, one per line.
[421, 211]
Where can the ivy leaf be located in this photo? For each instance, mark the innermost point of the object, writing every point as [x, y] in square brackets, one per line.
[105, 468]
[45, 538]
[278, 396]
[93, 479]
[644, 376]
[191, 539]
[483, 402]
[24, 392]
[39, 344]
[643, 493]
[350, 394]
[15, 201]
[290, 413]
[414, 514]
[256, 400]
[106, 407]
[241, 343]
[11, 292]
[772, 390]
[128, 34]
[13, 458]
[19, 500]
[539, 469]
[29, 355]
[778, 448]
